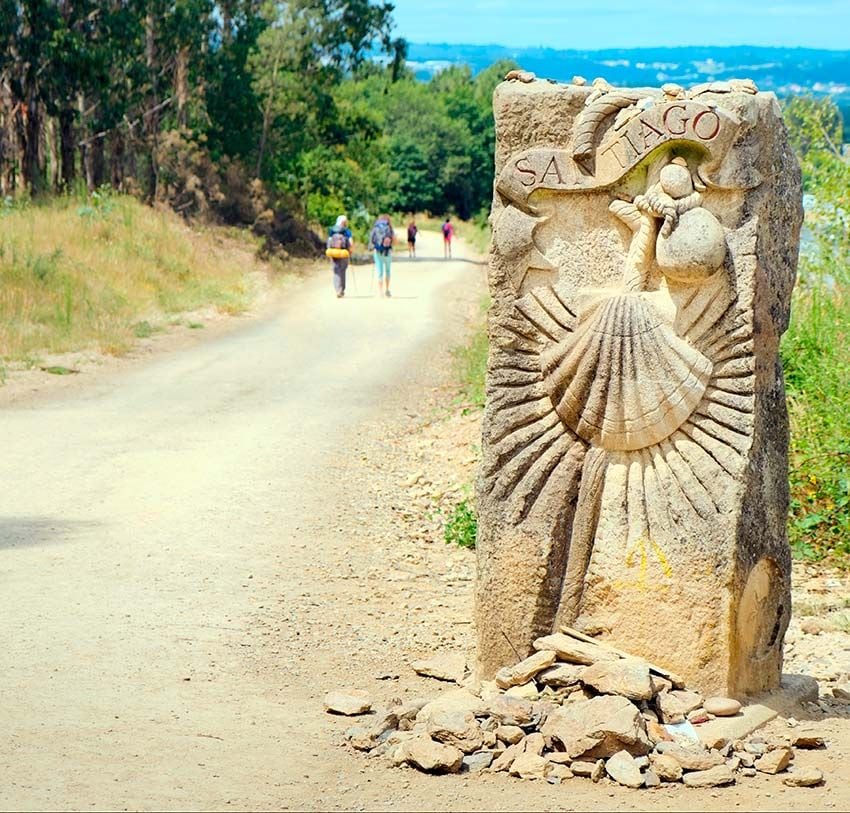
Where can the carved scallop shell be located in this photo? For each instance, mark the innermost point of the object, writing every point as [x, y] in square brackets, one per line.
[624, 380]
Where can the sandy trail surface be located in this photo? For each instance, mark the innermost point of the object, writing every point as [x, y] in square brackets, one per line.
[194, 550]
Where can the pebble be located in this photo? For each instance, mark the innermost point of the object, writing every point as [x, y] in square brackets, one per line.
[511, 710]
[520, 75]
[529, 766]
[670, 708]
[841, 692]
[592, 770]
[691, 759]
[427, 755]
[448, 666]
[666, 767]
[807, 738]
[673, 91]
[747, 760]
[626, 678]
[534, 743]
[561, 675]
[510, 734]
[657, 733]
[457, 728]
[651, 779]
[775, 761]
[803, 778]
[349, 703]
[712, 778]
[623, 769]
[522, 672]
[473, 763]
[558, 772]
[690, 701]
[526, 691]
[722, 706]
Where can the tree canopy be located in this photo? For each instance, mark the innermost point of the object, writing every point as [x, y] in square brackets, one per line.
[180, 100]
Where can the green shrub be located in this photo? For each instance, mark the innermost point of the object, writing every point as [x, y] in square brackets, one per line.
[462, 526]
[816, 348]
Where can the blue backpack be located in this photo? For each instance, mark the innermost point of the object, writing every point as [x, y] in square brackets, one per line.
[382, 236]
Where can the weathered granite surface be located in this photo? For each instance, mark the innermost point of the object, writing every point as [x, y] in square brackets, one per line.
[634, 476]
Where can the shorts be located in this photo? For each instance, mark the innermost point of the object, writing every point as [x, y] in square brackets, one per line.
[383, 264]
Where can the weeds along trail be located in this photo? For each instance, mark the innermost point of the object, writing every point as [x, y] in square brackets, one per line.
[102, 272]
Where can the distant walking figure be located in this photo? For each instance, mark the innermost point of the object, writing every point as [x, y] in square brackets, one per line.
[382, 239]
[411, 239]
[339, 250]
[448, 233]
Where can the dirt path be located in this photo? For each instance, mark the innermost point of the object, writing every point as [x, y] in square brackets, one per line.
[193, 551]
[150, 519]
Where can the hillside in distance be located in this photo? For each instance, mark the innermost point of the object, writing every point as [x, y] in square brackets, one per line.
[782, 70]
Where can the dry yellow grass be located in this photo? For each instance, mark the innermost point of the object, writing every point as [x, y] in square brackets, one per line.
[100, 273]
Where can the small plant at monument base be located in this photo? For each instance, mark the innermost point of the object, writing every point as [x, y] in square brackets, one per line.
[462, 526]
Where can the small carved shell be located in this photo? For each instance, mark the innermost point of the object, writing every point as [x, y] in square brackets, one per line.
[624, 380]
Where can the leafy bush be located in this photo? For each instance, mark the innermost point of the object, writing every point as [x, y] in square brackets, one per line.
[462, 526]
[816, 348]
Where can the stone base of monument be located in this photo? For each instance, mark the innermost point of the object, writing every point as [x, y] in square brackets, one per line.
[580, 708]
[758, 711]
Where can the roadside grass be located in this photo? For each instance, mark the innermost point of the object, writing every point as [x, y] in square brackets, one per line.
[470, 361]
[470, 369]
[102, 271]
[816, 359]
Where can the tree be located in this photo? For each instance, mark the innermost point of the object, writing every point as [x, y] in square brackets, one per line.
[307, 48]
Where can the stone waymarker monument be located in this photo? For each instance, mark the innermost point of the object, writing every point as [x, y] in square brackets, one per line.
[634, 474]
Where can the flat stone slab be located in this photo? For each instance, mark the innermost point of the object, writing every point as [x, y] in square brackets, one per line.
[795, 690]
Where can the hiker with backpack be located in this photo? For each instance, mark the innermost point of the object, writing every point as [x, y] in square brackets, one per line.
[339, 250]
[448, 233]
[382, 239]
[412, 230]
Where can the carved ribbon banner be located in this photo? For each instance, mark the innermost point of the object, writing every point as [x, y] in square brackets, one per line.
[681, 122]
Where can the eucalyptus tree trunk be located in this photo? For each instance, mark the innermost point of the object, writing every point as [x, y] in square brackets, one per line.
[67, 148]
[8, 141]
[117, 152]
[51, 142]
[29, 139]
[181, 85]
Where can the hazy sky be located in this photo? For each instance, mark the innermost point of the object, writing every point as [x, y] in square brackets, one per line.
[583, 24]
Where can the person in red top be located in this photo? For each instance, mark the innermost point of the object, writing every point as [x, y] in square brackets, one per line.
[412, 229]
[448, 233]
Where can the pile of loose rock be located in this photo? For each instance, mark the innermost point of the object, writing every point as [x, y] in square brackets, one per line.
[575, 708]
